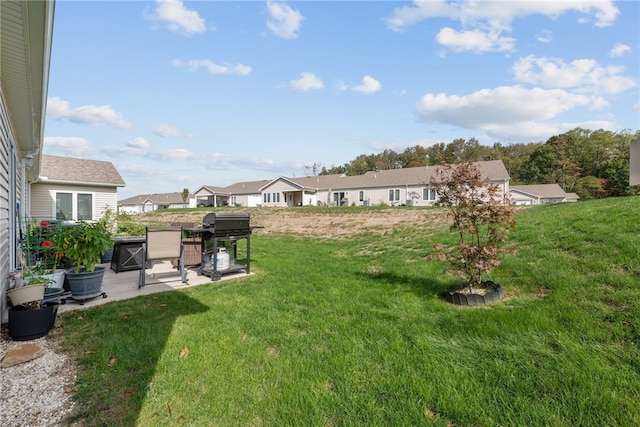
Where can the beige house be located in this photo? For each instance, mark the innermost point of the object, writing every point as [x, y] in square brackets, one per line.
[391, 187]
[26, 29]
[152, 202]
[72, 189]
[540, 194]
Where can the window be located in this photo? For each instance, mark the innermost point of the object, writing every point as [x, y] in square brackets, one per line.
[64, 206]
[394, 195]
[77, 206]
[361, 196]
[233, 201]
[85, 207]
[276, 197]
[428, 194]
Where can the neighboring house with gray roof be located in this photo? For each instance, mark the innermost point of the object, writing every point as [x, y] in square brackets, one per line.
[153, 202]
[72, 189]
[245, 194]
[538, 194]
[392, 187]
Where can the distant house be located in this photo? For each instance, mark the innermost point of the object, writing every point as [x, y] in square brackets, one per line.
[408, 186]
[540, 194]
[210, 195]
[153, 202]
[74, 189]
[245, 194]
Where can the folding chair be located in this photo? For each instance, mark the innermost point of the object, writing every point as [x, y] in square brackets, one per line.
[162, 244]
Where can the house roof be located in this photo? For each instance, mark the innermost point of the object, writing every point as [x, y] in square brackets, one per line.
[493, 170]
[543, 191]
[212, 189]
[246, 187]
[156, 198]
[80, 171]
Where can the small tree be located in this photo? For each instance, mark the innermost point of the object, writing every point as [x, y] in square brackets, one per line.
[185, 195]
[482, 216]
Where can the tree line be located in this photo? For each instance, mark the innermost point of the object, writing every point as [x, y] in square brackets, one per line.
[591, 163]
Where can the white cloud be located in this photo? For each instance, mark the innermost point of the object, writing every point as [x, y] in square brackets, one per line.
[504, 112]
[475, 40]
[213, 68]
[71, 145]
[284, 21]
[584, 75]
[619, 49]
[307, 81]
[488, 20]
[177, 18]
[165, 131]
[369, 85]
[138, 143]
[93, 115]
[636, 107]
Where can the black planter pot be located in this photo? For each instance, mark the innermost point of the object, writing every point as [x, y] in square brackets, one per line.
[107, 256]
[85, 284]
[456, 294]
[28, 324]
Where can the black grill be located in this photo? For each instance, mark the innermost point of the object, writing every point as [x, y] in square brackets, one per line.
[224, 224]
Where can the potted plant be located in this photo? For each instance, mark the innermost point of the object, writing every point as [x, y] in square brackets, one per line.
[40, 256]
[109, 221]
[83, 244]
[482, 217]
[30, 316]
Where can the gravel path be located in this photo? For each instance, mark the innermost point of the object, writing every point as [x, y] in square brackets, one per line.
[36, 393]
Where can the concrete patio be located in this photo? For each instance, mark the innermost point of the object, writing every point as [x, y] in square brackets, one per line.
[124, 285]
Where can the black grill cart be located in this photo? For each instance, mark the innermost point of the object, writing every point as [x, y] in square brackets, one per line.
[223, 229]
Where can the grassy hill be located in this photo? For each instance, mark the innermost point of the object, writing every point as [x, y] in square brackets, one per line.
[353, 331]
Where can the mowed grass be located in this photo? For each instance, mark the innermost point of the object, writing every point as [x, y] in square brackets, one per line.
[354, 332]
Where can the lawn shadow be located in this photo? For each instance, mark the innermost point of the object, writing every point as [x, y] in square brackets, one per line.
[421, 286]
[118, 346]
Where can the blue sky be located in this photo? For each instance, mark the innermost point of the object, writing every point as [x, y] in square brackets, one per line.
[179, 94]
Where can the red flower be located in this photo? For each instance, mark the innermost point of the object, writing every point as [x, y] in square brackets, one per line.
[44, 224]
[47, 244]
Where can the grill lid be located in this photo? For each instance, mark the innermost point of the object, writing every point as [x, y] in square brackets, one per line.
[227, 220]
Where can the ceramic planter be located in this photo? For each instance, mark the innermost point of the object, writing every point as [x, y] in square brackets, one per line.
[26, 294]
[28, 324]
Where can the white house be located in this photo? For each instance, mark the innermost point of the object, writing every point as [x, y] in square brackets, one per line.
[392, 187]
[540, 194]
[152, 202]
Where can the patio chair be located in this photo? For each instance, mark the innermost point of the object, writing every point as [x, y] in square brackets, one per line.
[162, 244]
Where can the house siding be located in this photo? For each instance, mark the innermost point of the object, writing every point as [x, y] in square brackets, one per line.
[43, 199]
[5, 226]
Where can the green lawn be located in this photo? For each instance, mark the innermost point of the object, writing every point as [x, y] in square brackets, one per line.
[354, 333]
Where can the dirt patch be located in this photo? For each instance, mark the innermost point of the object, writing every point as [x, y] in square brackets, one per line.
[319, 223]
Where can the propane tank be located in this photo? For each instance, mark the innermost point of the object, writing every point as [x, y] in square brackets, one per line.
[222, 259]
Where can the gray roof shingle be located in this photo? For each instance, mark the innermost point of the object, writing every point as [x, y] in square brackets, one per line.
[68, 169]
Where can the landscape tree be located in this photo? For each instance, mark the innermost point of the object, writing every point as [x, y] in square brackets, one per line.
[481, 216]
[185, 195]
